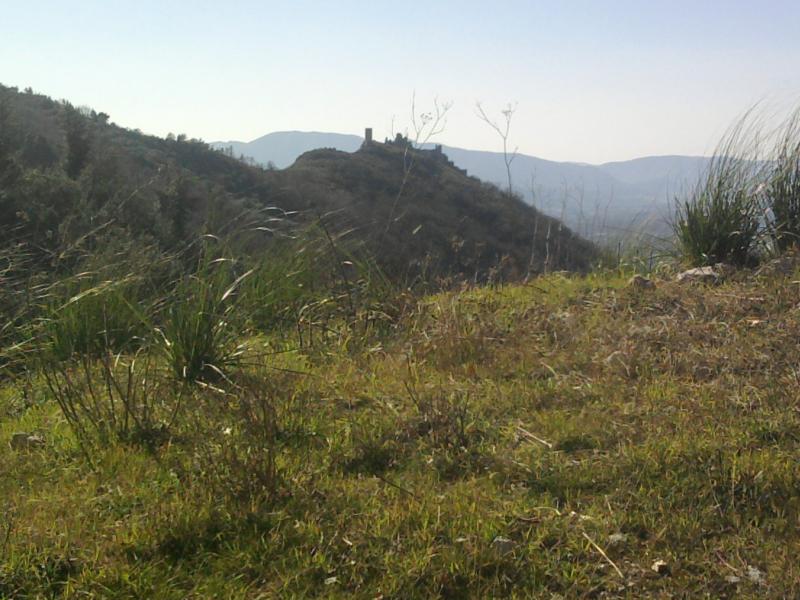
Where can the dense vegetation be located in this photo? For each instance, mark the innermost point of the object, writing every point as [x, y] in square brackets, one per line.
[69, 177]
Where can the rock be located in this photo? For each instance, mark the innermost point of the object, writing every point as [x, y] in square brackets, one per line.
[617, 538]
[755, 575]
[503, 545]
[699, 275]
[641, 283]
[26, 441]
[661, 567]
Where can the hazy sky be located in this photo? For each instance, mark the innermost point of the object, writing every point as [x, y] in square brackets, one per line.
[593, 81]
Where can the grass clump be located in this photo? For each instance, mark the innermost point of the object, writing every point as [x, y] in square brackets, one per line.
[783, 187]
[238, 454]
[747, 204]
[114, 398]
[96, 317]
[720, 220]
[200, 333]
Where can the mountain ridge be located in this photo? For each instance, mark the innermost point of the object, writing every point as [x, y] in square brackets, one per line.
[636, 192]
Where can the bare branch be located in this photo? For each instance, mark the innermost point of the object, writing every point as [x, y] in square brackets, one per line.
[503, 131]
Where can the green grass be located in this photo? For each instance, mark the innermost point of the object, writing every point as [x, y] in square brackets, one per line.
[486, 445]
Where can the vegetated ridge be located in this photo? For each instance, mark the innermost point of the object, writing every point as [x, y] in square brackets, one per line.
[604, 201]
[69, 172]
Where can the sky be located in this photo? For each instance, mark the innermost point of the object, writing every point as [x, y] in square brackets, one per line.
[590, 81]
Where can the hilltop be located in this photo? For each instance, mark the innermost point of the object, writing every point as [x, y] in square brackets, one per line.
[424, 208]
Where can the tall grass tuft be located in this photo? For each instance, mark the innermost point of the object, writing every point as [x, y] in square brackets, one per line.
[200, 334]
[720, 220]
[284, 279]
[320, 284]
[783, 187]
[20, 293]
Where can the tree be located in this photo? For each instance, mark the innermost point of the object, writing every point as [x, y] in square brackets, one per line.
[9, 169]
[78, 141]
[37, 153]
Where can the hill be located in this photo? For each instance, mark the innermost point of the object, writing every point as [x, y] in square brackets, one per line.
[73, 175]
[425, 209]
[595, 200]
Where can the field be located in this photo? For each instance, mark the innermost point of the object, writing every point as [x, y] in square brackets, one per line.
[571, 437]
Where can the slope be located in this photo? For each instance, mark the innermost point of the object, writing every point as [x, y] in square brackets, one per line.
[70, 175]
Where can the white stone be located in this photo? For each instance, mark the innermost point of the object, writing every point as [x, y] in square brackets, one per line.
[699, 275]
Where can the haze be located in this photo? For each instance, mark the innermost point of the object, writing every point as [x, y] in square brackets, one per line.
[592, 81]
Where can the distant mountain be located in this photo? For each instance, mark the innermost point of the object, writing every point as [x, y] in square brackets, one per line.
[596, 200]
[650, 169]
[283, 147]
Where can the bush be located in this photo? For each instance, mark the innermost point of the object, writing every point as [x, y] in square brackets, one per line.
[114, 398]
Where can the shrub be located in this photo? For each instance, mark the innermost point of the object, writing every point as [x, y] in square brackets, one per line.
[114, 398]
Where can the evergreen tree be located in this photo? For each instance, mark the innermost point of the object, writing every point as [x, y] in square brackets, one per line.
[78, 141]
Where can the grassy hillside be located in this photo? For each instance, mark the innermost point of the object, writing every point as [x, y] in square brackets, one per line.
[219, 381]
[68, 176]
[573, 437]
[416, 208]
